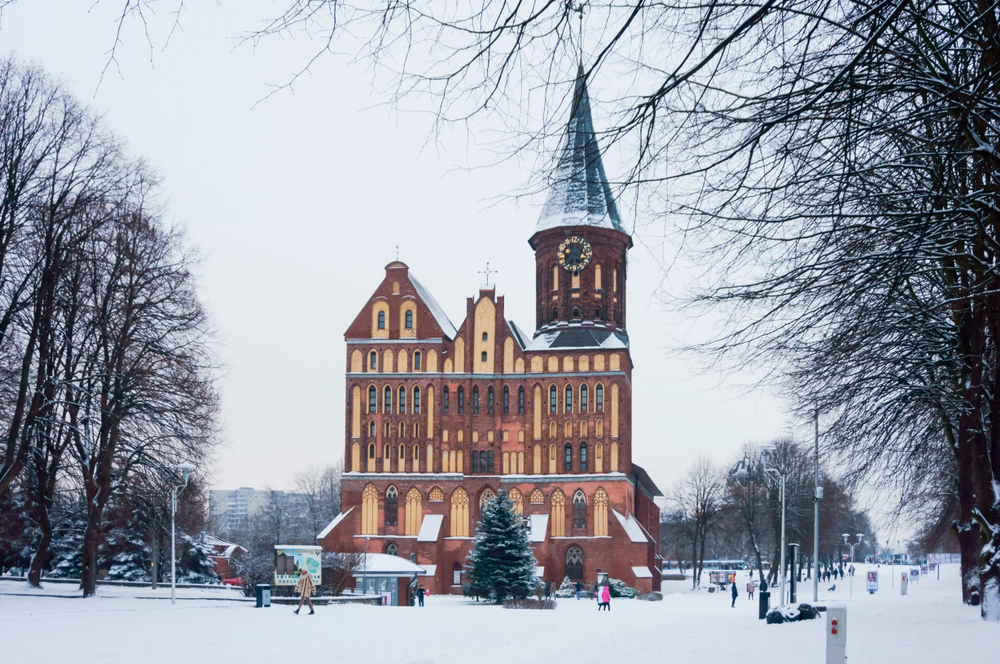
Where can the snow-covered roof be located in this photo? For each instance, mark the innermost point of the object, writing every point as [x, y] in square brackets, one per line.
[224, 549]
[333, 524]
[430, 528]
[580, 194]
[384, 564]
[540, 571]
[439, 315]
[519, 335]
[642, 573]
[579, 338]
[539, 524]
[631, 526]
[430, 570]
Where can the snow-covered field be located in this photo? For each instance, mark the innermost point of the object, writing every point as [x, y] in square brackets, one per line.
[930, 625]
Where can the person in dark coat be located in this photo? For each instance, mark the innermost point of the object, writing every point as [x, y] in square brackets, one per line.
[579, 587]
[548, 590]
[420, 595]
[736, 593]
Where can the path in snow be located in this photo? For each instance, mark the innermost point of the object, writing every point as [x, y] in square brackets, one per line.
[929, 625]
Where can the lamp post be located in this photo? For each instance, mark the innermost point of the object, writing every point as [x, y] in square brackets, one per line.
[364, 572]
[766, 450]
[185, 469]
[817, 495]
[853, 546]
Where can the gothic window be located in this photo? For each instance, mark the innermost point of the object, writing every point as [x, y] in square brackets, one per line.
[392, 549]
[371, 429]
[583, 398]
[402, 456]
[583, 456]
[461, 400]
[569, 399]
[579, 509]
[576, 312]
[487, 496]
[489, 400]
[568, 463]
[486, 336]
[381, 320]
[489, 461]
[369, 508]
[520, 400]
[599, 406]
[555, 314]
[402, 429]
[416, 399]
[574, 563]
[506, 400]
[459, 516]
[387, 400]
[436, 495]
[558, 514]
[413, 512]
[416, 360]
[475, 461]
[416, 452]
[402, 400]
[416, 429]
[552, 399]
[409, 319]
[517, 499]
[386, 430]
[475, 400]
[391, 506]
[373, 361]
[371, 450]
[447, 399]
[456, 573]
[537, 497]
[372, 399]
[385, 451]
[597, 313]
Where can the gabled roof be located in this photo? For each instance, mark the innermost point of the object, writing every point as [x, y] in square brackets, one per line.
[439, 315]
[580, 194]
[645, 481]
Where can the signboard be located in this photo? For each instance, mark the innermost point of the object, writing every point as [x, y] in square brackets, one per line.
[923, 570]
[914, 574]
[718, 578]
[872, 581]
[290, 560]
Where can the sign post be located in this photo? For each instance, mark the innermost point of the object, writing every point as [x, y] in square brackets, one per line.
[872, 582]
[836, 634]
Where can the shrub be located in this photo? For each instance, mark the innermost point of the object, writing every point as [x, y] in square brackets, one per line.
[620, 589]
[543, 604]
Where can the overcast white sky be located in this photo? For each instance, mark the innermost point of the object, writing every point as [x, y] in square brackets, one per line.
[298, 203]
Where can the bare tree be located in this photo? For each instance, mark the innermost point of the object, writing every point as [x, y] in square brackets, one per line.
[698, 500]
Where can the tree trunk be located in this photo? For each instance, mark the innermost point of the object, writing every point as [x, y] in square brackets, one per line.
[91, 543]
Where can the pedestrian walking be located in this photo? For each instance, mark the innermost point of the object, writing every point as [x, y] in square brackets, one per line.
[579, 587]
[735, 594]
[305, 588]
[606, 597]
[420, 595]
[750, 589]
[548, 590]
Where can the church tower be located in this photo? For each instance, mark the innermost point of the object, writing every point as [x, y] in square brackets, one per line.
[579, 241]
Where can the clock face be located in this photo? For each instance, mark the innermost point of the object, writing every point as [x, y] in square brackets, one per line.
[574, 254]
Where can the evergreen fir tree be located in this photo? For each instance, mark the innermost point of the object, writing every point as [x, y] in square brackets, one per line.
[501, 563]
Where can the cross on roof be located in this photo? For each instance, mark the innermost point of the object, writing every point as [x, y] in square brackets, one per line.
[487, 272]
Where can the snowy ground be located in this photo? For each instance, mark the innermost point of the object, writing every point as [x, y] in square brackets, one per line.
[929, 625]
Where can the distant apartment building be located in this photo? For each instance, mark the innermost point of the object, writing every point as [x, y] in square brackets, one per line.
[230, 508]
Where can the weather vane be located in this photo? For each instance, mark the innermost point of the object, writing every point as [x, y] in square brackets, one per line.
[487, 272]
[397, 251]
[579, 8]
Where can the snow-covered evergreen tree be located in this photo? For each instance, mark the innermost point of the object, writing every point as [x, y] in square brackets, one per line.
[501, 563]
[193, 562]
[566, 589]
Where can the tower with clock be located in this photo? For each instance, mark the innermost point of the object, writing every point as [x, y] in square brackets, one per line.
[440, 417]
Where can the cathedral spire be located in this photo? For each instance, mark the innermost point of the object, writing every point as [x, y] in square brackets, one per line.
[579, 193]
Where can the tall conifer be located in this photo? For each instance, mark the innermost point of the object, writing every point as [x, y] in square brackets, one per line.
[501, 563]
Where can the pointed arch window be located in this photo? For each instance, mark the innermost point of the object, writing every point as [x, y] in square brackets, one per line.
[386, 431]
[579, 509]
[402, 400]
[487, 496]
[568, 462]
[409, 319]
[583, 456]
[387, 400]
[385, 451]
[416, 358]
[599, 398]
[373, 361]
[552, 399]
[537, 497]
[597, 313]
[371, 429]
[520, 400]
[555, 314]
[461, 400]
[489, 461]
[392, 549]
[475, 400]
[371, 450]
[402, 456]
[391, 506]
[372, 399]
[576, 312]
[416, 399]
[489, 400]
[475, 461]
[506, 400]
[369, 510]
[402, 429]
[583, 398]
[447, 400]
[569, 399]
[381, 320]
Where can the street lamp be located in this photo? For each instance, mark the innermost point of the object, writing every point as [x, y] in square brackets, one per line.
[853, 546]
[185, 469]
[766, 453]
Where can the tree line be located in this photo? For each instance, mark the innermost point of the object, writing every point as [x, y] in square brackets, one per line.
[734, 513]
[106, 363]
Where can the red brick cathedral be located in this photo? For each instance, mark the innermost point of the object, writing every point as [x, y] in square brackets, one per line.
[440, 418]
